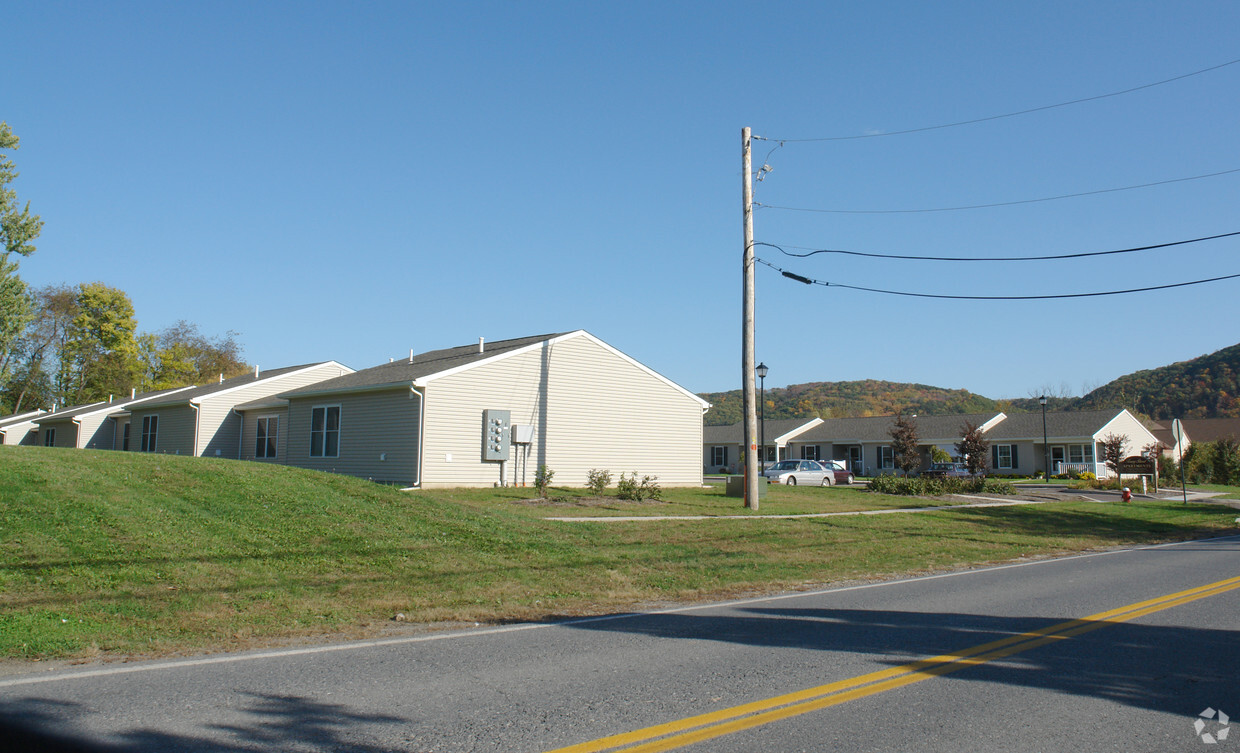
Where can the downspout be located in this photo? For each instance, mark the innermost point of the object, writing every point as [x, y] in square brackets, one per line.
[240, 431]
[417, 481]
[77, 435]
[197, 420]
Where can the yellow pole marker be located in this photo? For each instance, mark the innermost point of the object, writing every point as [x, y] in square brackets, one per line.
[714, 724]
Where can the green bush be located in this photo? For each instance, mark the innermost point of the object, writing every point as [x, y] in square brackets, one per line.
[629, 488]
[1216, 462]
[598, 480]
[917, 486]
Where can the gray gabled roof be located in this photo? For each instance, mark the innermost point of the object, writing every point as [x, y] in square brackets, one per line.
[21, 418]
[878, 428]
[1211, 429]
[405, 371]
[86, 409]
[735, 433]
[73, 410]
[1066, 425]
[196, 393]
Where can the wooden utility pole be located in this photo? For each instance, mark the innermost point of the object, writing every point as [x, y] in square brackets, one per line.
[752, 468]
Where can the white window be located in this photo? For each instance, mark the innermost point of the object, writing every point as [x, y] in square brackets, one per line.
[809, 452]
[1005, 456]
[719, 455]
[886, 460]
[267, 437]
[49, 437]
[1080, 453]
[325, 431]
[150, 428]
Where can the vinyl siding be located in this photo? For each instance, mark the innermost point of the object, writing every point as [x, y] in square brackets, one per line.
[97, 433]
[66, 434]
[19, 433]
[1126, 425]
[118, 436]
[249, 435]
[371, 424]
[219, 427]
[174, 434]
[590, 408]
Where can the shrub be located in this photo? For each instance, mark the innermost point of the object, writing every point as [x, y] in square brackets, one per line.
[628, 487]
[598, 480]
[542, 478]
[939, 487]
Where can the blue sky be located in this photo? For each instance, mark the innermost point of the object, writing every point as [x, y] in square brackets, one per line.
[351, 180]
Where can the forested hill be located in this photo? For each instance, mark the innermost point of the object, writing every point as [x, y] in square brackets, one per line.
[1205, 387]
[847, 399]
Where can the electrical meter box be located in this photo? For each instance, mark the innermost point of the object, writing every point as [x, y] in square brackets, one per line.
[496, 434]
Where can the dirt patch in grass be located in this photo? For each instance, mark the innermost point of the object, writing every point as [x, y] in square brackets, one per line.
[585, 502]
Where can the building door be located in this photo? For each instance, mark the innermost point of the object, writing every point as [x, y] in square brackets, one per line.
[854, 460]
[1057, 459]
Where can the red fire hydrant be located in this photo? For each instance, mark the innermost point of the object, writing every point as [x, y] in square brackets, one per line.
[1127, 495]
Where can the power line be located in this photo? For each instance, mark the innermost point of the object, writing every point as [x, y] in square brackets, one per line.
[995, 258]
[1008, 114]
[811, 281]
[1000, 203]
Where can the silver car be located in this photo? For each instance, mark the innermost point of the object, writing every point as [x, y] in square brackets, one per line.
[803, 472]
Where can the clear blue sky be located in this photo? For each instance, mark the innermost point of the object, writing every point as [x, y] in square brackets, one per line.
[351, 180]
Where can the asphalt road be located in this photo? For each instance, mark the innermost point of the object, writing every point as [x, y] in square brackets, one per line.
[995, 659]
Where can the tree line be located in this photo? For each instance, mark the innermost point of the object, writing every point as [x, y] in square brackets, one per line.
[62, 345]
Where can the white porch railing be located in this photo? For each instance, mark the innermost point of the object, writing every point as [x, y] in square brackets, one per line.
[1098, 469]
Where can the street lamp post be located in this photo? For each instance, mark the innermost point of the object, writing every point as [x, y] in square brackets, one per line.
[1046, 450]
[761, 372]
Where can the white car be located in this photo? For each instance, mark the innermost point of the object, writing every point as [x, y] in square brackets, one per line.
[806, 472]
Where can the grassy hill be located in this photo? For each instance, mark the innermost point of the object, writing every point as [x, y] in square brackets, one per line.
[112, 554]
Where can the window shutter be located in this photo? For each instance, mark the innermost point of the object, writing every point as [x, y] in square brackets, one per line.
[1015, 462]
[994, 456]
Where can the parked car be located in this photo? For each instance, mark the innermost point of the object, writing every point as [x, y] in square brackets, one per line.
[806, 472]
[947, 470]
[840, 468]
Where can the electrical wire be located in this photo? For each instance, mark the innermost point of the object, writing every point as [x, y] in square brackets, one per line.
[1000, 203]
[995, 258]
[1008, 114]
[810, 281]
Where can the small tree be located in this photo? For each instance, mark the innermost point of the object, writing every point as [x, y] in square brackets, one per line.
[1225, 461]
[904, 444]
[939, 455]
[542, 479]
[1113, 451]
[974, 448]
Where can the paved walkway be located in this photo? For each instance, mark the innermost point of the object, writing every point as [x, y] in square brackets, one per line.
[1046, 495]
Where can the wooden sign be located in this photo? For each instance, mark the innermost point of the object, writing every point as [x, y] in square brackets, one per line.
[1137, 465]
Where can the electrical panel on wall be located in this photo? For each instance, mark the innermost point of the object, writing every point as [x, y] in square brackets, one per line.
[496, 434]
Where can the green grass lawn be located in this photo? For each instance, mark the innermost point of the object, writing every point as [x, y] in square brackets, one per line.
[122, 554]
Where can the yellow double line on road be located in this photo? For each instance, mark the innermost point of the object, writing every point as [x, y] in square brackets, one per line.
[696, 729]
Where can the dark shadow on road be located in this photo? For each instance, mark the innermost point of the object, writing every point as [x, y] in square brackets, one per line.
[1157, 667]
[277, 723]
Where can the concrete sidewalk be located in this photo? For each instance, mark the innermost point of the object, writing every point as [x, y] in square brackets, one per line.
[1051, 494]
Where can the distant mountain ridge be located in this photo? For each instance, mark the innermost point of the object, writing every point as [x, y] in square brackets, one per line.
[1204, 387]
